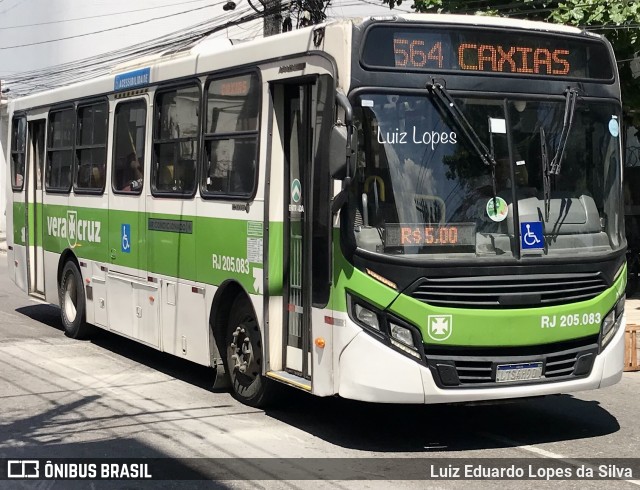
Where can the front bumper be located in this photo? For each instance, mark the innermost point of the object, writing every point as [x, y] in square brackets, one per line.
[371, 371]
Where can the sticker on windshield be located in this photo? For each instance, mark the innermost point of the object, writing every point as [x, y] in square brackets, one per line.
[614, 127]
[531, 235]
[497, 209]
[498, 126]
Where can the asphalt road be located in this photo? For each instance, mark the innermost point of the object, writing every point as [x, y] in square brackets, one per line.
[110, 397]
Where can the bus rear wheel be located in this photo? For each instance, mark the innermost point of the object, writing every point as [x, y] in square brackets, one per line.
[73, 303]
[244, 356]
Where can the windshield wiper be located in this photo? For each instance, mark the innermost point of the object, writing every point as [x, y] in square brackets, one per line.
[569, 111]
[546, 176]
[463, 124]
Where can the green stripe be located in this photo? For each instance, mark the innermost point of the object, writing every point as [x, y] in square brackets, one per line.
[514, 327]
[19, 223]
[216, 249]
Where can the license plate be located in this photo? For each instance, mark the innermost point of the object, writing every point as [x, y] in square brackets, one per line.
[518, 372]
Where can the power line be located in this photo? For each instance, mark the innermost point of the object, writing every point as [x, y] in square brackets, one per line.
[101, 64]
[98, 16]
[109, 29]
[12, 7]
[76, 71]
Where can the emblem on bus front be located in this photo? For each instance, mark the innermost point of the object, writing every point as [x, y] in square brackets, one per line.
[439, 327]
[72, 228]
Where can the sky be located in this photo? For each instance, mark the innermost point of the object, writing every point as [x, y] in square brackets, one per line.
[39, 33]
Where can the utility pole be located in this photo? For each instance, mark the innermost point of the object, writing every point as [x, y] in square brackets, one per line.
[273, 17]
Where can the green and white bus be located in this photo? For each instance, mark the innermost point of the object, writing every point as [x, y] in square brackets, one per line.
[411, 209]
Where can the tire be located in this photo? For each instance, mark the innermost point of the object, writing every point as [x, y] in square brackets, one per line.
[244, 366]
[73, 303]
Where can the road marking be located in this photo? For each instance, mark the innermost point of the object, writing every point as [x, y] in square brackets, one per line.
[546, 454]
[525, 447]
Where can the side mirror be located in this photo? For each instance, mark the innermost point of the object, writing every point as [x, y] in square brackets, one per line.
[341, 152]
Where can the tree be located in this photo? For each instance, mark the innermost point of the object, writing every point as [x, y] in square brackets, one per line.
[617, 20]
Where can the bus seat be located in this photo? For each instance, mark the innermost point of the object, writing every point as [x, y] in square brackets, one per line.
[165, 177]
[185, 172]
[97, 177]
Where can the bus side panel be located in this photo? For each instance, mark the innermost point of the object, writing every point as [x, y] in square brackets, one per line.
[51, 261]
[11, 268]
[56, 225]
[171, 259]
[18, 226]
[185, 333]
[229, 246]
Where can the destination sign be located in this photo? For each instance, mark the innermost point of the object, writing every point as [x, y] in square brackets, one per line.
[132, 79]
[430, 235]
[486, 51]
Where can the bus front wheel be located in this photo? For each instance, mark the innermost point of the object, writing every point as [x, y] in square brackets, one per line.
[72, 302]
[244, 356]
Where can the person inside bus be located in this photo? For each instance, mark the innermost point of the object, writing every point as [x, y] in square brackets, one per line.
[133, 164]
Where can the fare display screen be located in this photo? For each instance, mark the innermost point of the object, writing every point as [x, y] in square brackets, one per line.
[485, 51]
[431, 235]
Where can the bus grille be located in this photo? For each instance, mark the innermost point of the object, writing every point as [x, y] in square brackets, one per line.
[478, 368]
[512, 291]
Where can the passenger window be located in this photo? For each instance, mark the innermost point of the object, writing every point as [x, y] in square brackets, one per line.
[175, 143]
[18, 139]
[91, 147]
[231, 136]
[60, 150]
[128, 148]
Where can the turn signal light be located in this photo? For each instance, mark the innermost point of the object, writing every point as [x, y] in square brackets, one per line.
[320, 343]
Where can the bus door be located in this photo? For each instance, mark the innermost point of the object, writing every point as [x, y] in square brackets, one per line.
[303, 115]
[297, 147]
[35, 155]
[132, 307]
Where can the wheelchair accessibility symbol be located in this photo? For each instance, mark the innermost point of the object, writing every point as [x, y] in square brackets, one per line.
[531, 235]
[126, 238]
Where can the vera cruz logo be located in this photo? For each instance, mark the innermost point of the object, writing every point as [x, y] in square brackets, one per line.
[72, 220]
[439, 327]
[73, 229]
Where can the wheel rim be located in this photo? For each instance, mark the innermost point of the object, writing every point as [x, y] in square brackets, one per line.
[243, 351]
[70, 298]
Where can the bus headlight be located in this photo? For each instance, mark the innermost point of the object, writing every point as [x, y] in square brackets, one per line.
[402, 338]
[402, 334]
[366, 316]
[611, 323]
[392, 331]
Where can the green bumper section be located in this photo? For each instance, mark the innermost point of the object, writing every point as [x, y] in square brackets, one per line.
[481, 327]
[513, 327]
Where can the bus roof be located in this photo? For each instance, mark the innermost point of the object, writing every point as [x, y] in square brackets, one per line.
[191, 58]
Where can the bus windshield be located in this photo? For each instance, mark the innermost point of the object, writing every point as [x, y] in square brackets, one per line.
[422, 186]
